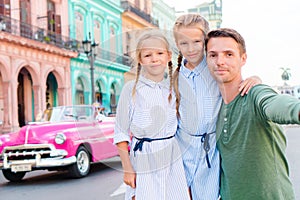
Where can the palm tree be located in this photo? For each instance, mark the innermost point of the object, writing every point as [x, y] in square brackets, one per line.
[286, 75]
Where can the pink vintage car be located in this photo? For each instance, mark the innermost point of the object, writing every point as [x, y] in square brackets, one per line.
[71, 140]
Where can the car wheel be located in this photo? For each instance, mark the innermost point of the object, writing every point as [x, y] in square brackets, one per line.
[82, 166]
[13, 176]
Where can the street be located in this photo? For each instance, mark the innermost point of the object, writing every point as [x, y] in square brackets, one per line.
[105, 180]
[103, 183]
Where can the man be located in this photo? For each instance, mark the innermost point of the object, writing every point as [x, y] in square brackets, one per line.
[198, 103]
[251, 143]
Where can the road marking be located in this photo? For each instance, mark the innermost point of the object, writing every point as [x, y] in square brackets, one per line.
[120, 190]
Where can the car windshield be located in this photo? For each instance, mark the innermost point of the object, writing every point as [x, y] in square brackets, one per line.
[72, 113]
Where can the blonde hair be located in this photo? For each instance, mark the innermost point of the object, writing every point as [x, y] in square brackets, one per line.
[184, 21]
[190, 20]
[147, 34]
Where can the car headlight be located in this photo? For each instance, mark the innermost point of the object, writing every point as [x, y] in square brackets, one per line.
[60, 138]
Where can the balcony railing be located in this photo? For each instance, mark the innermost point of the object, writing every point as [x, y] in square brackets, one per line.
[29, 31]
[127, 6]
[113, 57]
[110, 56]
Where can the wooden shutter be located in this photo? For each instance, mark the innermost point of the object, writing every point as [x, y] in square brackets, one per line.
[3, 10]
[57, 24]
[51, 20]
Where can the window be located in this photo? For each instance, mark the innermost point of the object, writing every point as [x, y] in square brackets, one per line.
[25, 18]
[79, 92]
[98, 92]
[97, 31]
[51, 16]
[113, 100]
[112, 39]
[81, 98]
[54, 20]
[137, 3]
[79, 23]
[5, 7]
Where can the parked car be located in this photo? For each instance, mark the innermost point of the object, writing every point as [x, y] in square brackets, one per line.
[71, 140]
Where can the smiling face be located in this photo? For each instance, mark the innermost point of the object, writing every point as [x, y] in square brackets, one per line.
[225, 59]
[190, 42]
[154, 57]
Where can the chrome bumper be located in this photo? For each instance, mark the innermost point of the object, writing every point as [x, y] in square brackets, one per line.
[56, 156]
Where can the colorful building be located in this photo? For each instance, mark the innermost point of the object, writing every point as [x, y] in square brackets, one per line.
[211, 11]
[136, 17]
[99, 22]
[42, 61]
[35, 53]
[166, 16]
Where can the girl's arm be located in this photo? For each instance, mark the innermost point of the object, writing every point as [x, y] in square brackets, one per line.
[247, 84]
[129, 173]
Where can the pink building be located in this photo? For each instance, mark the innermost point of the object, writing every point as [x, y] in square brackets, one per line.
[34, 59]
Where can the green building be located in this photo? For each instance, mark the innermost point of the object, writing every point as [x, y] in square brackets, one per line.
[99, 24]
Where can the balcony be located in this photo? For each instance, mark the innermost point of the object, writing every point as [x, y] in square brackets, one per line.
[129, 7]
[110, 56]
[28, 31]
[18, 28]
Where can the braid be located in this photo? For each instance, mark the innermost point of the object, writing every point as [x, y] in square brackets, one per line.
[176, 89]
[138, 71]
[179, 61]
[170, 65]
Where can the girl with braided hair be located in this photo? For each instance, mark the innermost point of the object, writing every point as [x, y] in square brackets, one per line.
[146, 120]
[198, 101]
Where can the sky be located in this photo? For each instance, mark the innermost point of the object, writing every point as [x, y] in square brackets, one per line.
[271, 30]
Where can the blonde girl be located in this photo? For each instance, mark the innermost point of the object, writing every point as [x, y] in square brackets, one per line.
[146, 120]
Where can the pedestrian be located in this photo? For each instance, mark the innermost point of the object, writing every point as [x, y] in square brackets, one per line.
[146, 113]
[99, 112]
[198, 102]
[249, 138]
[47, 112]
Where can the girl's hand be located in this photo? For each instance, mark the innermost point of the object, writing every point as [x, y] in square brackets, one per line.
[130, 178]
[247, 84]
[129, 173]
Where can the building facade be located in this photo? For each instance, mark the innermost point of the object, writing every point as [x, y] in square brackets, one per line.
[35, 53]
[101, 23]
[136, 17]
[211, 11]
[42, 60]
[289, 89]
[166, 16]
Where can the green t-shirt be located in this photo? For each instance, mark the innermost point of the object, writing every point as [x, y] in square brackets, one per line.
[252, 146]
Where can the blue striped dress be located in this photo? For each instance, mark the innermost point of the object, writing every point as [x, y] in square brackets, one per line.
[159, 169]
[199, 107]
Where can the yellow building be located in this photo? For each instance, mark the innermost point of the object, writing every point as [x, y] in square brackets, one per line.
[136, 17]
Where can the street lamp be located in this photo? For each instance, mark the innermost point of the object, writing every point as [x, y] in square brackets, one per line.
[89, 50]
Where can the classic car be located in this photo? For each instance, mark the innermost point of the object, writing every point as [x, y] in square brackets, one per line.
[71, 140]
